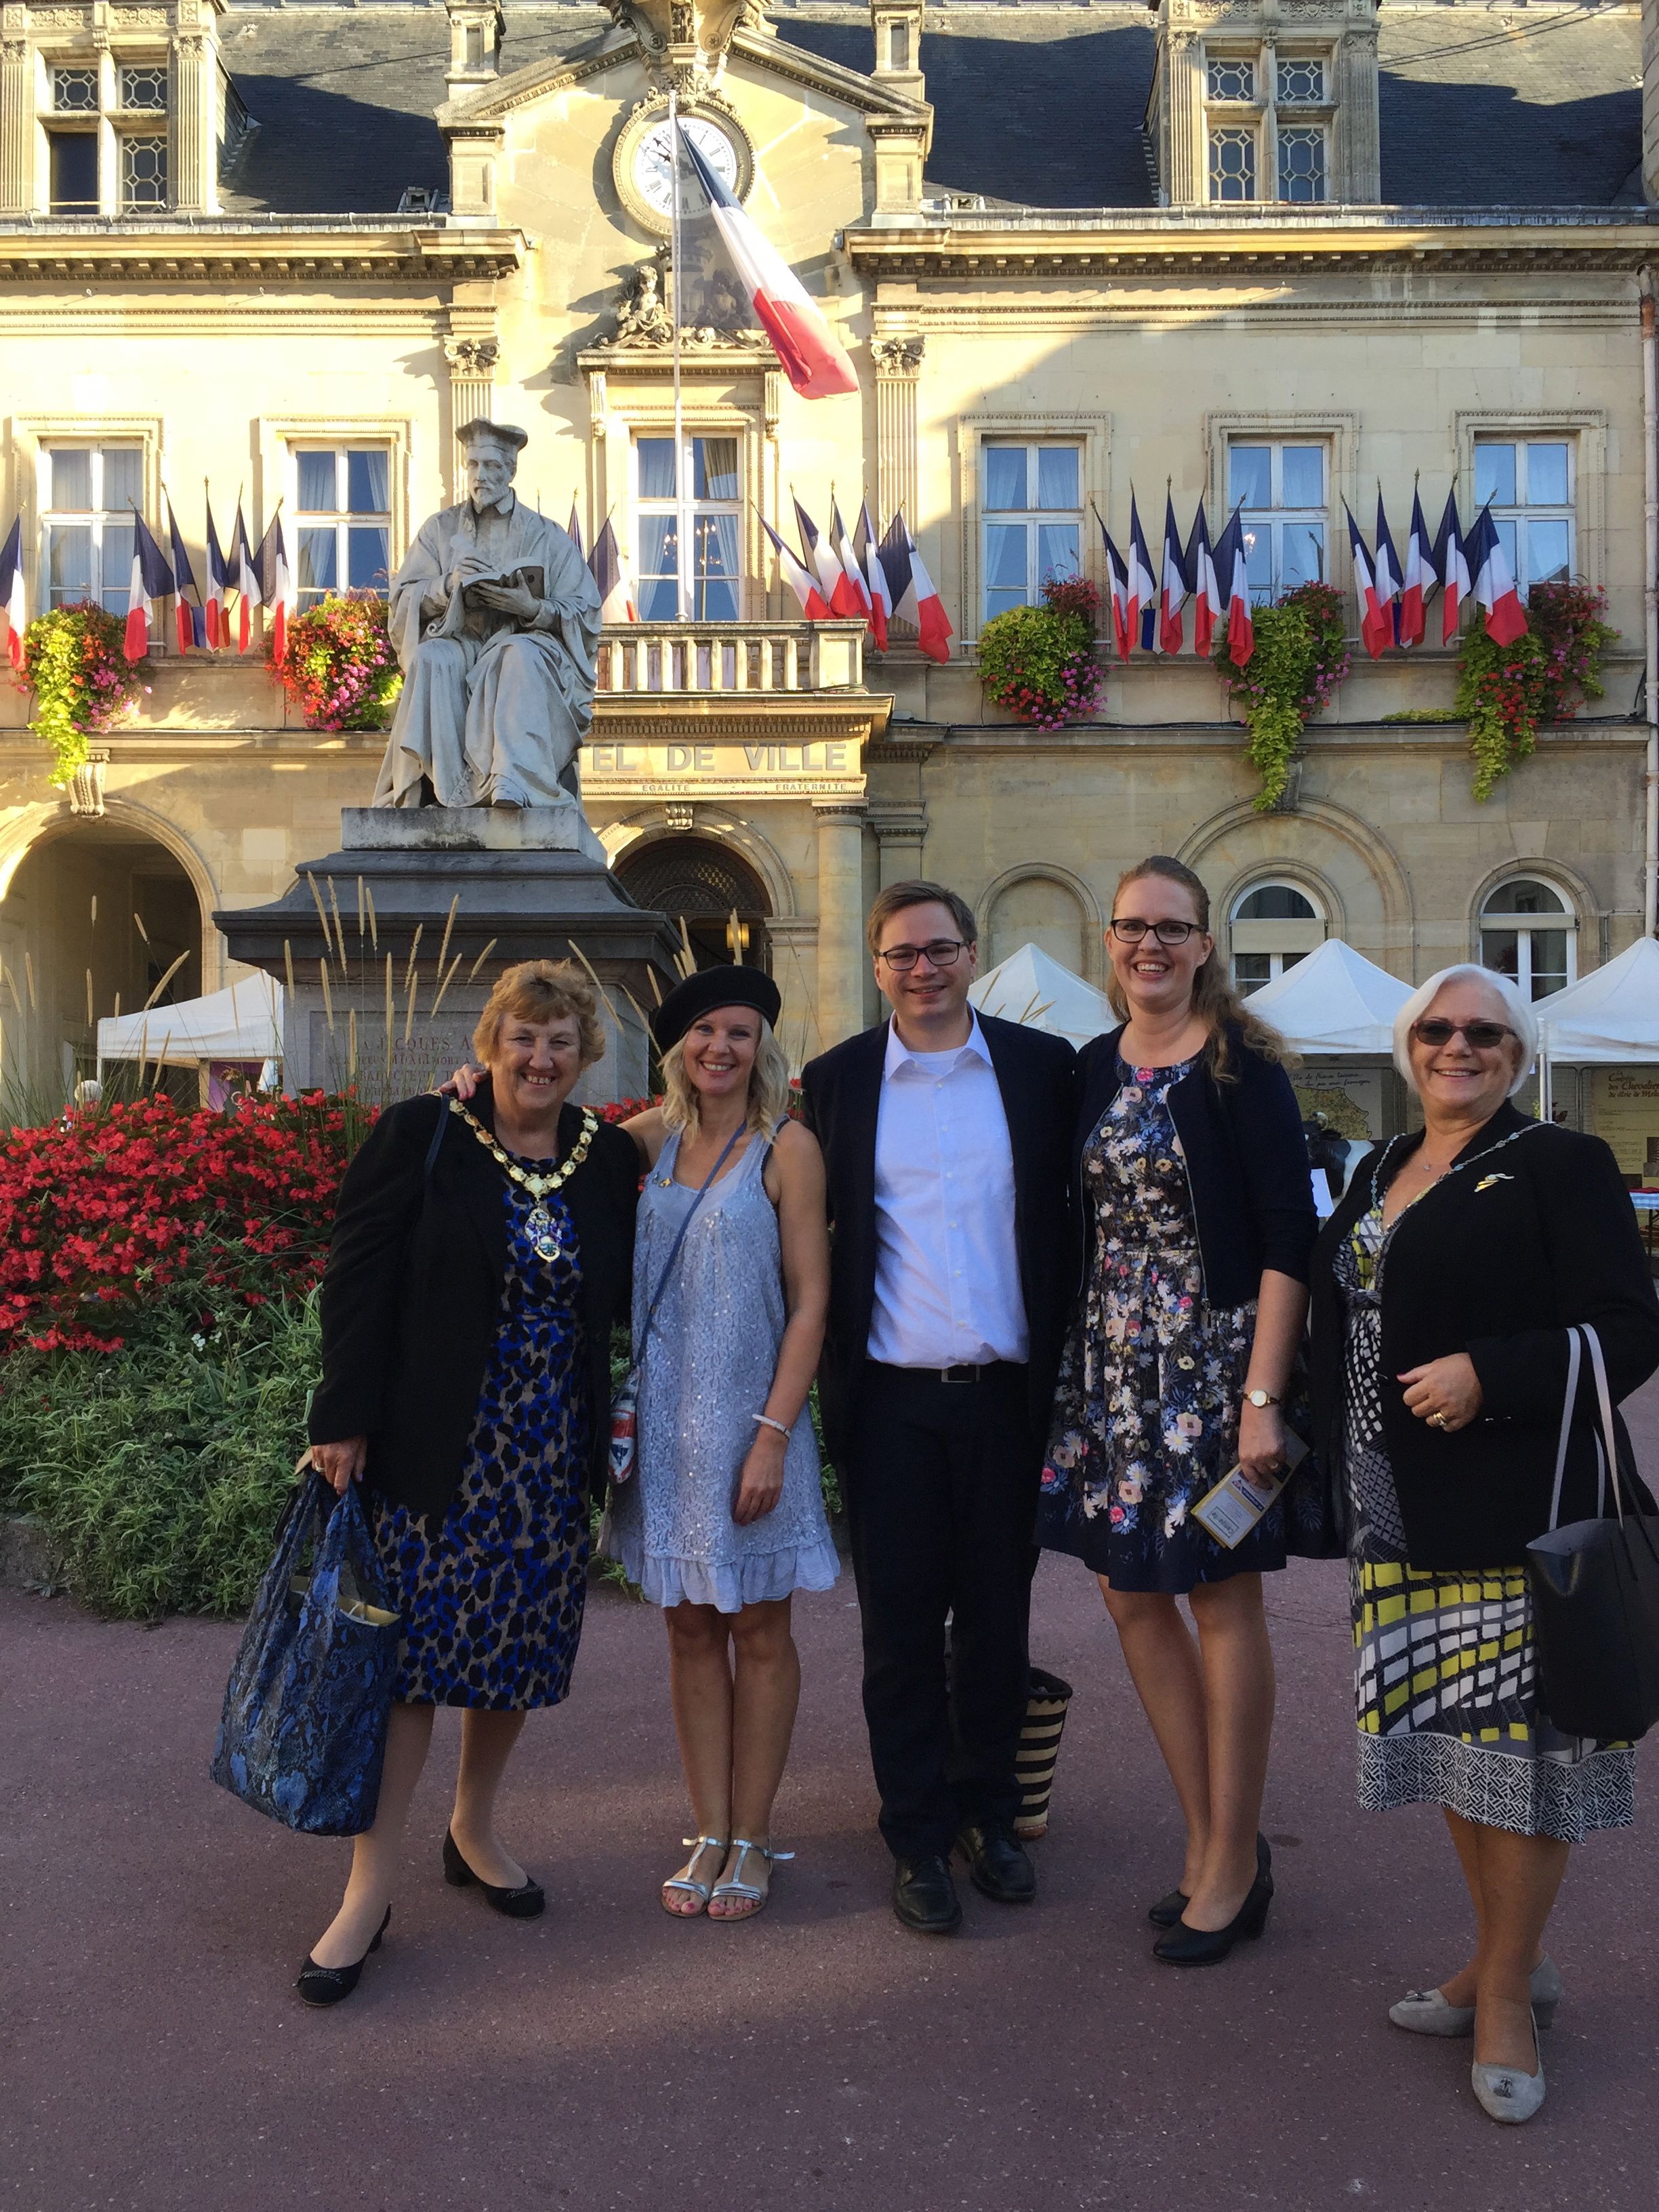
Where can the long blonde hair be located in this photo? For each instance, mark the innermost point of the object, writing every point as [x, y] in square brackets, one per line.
[1215, 1000]
[768, 1085]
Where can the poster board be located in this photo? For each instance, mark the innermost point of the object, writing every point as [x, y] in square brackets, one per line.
[1350, 1097]
[1624, 1110]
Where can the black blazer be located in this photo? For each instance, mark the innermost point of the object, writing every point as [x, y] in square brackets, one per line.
[1247, 1165]
[411, 1293]
[1533, 1230]
[841, 1094]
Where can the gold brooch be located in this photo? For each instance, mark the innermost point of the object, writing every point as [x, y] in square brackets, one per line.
[1486, 1182]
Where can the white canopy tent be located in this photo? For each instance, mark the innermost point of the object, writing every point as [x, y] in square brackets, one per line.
[1031, 987]
[244, 1021]
[1610, 1018]
[1334, 1001]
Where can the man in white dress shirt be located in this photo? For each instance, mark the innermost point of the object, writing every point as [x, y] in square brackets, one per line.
[947, 1142]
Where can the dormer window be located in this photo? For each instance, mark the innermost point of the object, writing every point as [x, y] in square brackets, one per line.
[1301, 82]
[143, 91]
[1265, 136]
[1230, 79]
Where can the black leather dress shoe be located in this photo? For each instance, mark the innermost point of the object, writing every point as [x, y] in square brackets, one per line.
[997, 1867]
[925, 1898]
[1167, 1912]
[1182, 1945]
[524, 1903]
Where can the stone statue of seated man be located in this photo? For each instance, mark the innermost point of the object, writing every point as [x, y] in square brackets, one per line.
[494, 617]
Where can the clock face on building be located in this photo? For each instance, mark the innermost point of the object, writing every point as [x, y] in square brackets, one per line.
[644, 168]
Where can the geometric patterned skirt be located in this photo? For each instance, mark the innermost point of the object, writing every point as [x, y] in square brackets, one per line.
[1445, 1686]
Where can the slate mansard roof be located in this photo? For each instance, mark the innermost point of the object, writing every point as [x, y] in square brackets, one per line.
[1036, 103]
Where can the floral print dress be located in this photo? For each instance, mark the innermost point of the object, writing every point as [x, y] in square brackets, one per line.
[1146, 1410]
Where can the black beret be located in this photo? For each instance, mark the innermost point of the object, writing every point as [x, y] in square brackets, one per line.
[709, 988]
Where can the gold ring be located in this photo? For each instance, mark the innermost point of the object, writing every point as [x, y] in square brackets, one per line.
[1437, 1420]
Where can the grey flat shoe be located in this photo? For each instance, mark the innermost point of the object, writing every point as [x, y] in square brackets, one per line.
[1505, 2093]
[1425, 2012]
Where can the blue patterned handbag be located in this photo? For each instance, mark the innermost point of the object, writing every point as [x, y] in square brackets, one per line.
[302, 1735]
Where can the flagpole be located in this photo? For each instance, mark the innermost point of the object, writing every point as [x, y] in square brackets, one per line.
[684, 548]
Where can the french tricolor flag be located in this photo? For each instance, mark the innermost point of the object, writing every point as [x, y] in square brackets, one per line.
[575, 531]
[1233, 570]
[604, 565]
[813, 359]
[1417, 578]
[1374, 625]
[1386, 577]
[14, 614]
[1208, 605]
[1450, 559]
[1143, 584]
[245, 576]
[800, 579]
[1123, 607]
[152, 579]
[852, 589]
[276, 583]
[187, 599]
[915, 597]
[1173, 586]
[1494, 585]
[218, 587]
[819, 555]
[875, 577]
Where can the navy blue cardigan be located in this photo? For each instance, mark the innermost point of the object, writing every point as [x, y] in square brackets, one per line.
[1246, 1163]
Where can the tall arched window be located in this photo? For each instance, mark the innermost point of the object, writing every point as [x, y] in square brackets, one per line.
[706, 887]
[1273, 925]
[1529, 933]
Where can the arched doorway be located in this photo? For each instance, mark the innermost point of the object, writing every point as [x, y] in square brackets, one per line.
[95, 916]
[721, 899]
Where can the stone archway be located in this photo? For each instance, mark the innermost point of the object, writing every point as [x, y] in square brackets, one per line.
[719, 896]
[95, 914]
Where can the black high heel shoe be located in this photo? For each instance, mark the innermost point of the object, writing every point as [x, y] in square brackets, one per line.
[521, 1903]
[1167, 1912]
[332, 1985]
[1207, 1946]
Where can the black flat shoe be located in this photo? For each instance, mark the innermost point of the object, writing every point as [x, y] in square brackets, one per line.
[521, 1903]
[997, 1867]
[332, 1985]
[1207, 1946]
[925, 1898]
[1168, 1908]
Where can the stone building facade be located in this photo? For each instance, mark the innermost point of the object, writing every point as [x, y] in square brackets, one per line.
[1284, 250]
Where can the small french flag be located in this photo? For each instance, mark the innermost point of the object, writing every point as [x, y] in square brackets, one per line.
[1174, 584]
[218, 584]
[875, 577]
[276, 584]
[819, 555]
[813, 359]
[245, 577]
[1123, 607]
[1372, 622]
[575, 531]
[1208, 605]
[915, 597]
[1417, 579]
[1386, 577]
[800, 579]
[605, 566]
[1494, 584]
[152, 579]
[14, 614]
[1232, 567]
[1143, 584]
[1450, 559]
[852, 591]
[187, 599]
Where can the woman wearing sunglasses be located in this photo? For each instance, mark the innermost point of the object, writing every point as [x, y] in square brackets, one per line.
[1442, 1286]
[1196, 1201]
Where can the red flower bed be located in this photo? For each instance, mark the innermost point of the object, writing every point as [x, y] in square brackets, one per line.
[103, 1211]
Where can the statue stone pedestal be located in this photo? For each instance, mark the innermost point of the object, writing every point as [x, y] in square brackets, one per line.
[477, 887]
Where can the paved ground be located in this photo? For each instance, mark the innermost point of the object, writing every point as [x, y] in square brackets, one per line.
[152, 2055]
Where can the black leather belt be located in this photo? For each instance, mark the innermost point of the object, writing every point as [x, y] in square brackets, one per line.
[964, 1374]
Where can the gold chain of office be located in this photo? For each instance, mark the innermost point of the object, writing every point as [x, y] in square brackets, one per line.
[538, 1186]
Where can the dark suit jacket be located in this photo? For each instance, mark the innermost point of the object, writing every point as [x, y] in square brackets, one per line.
[411, 1293]
[1494, 1261]
[840, 1095]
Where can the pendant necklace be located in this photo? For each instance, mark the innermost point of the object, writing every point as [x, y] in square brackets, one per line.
[540, 1225]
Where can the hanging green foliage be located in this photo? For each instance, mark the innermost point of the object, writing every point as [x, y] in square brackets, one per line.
[1301, 655]
[82, 682]
[1506, 690]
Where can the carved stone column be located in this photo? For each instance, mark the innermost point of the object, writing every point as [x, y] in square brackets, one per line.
[841, 918]
[472, 386]
[194, 185]
[1359, 137]
[898, 370]
[16, 115]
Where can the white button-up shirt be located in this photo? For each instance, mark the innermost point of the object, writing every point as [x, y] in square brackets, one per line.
[947, 1271]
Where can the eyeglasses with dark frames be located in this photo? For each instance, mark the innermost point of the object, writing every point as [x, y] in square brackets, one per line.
[1132, 928]
[1482, 1036]
[943, 952]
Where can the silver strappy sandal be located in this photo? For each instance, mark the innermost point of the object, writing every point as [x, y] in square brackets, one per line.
[737, 1887]
[688, 1882]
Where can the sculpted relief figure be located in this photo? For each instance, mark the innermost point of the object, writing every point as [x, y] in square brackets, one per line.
[495, 618]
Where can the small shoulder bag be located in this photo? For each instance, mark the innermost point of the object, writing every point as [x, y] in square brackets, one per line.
[625, 1407]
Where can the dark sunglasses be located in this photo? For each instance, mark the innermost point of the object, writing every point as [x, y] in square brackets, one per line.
[1483, 1036]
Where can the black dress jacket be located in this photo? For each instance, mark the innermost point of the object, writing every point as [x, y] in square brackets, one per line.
[1533, 1230]
[841, 1093]
[1247, 1165]
[411, 1293]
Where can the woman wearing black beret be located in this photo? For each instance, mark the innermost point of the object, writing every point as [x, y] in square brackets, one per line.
[1444, 1286]
[480, 1257]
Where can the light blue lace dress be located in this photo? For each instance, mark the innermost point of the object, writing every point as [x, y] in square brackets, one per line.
[707, 1369]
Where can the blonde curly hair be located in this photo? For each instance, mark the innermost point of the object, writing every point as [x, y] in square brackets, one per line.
[542, 991]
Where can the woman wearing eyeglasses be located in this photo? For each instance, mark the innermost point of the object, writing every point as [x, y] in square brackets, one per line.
[1442, 1287]
[1197, 1205]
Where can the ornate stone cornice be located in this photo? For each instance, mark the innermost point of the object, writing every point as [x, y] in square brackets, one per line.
[222, 252]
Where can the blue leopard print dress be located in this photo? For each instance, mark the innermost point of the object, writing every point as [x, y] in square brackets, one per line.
[492, 1597]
